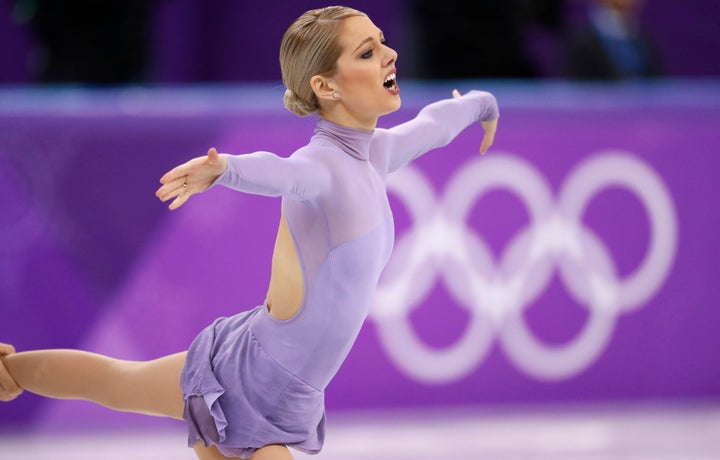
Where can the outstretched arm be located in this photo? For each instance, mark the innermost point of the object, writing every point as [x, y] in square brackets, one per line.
[437, 124]
[259, 173]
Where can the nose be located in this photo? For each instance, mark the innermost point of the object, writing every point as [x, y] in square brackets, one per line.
[390, 56]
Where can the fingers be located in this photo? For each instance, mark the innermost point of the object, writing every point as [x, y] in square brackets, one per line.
[6, 349]
[455, 93]
[486, 144]
[180, 200]
[174, 183]
[172, 189]
[9, 389]
[184, 169]
[175, 173]
[177, 189]
[189, 178]
[490, 127]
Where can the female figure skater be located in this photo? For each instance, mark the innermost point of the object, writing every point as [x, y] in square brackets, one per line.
[251, 385]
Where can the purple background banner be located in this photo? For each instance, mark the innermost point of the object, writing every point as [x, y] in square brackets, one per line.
[90, 259]
[229, 40]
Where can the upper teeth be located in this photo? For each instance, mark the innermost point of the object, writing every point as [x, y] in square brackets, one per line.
[389, 78]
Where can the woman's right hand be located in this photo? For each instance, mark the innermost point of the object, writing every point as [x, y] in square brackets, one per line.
[489, 126]
[9, 389]
[190, 178]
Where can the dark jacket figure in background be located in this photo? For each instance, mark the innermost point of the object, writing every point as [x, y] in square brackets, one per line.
[612, 46]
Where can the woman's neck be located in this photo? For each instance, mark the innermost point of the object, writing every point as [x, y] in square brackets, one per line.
[344, 118]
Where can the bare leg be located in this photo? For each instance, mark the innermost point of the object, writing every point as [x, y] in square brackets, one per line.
[275, 452]
[148, 387]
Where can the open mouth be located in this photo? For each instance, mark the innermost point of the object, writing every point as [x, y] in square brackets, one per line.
[390, 82]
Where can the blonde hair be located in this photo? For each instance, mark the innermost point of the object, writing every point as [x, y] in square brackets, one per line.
[310, 47]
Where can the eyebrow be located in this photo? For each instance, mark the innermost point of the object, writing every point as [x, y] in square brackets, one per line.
[369, 39]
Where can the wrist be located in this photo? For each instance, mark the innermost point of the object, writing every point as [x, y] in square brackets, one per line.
[222, 164]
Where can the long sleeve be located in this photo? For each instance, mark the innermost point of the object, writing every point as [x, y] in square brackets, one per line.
[264, 173]
[436, 125]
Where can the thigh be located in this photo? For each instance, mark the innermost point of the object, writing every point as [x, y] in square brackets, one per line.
[148, 387]
[153, 387]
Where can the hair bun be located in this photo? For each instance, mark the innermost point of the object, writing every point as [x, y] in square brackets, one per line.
[297, 105]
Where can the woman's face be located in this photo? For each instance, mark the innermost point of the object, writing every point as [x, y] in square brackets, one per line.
[365, 78]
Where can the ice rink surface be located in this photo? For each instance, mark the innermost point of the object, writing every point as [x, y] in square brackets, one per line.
[580, 433]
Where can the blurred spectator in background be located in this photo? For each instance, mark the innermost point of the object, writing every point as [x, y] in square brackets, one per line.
[480, 39]
[89, 41]
[612, 46]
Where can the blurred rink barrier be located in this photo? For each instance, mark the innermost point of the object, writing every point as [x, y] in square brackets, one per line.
[577, 262]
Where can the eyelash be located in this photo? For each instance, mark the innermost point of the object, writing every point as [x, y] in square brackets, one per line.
[369, 53]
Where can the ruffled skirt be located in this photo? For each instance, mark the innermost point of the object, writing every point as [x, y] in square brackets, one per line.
[238, 398]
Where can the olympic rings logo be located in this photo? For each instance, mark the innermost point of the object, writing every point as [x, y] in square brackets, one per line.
[495, 293]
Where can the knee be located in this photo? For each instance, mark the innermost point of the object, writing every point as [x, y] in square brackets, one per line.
[118, 389]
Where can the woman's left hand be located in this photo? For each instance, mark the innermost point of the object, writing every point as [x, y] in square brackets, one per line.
[489, 126]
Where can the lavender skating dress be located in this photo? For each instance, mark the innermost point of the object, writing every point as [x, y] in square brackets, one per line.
[252, 380]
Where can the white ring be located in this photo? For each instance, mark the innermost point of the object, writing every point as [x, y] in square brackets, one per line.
[441, 245]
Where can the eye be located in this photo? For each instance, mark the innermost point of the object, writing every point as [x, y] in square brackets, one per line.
[369, 53]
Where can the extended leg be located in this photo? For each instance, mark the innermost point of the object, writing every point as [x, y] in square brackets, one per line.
[148, 387]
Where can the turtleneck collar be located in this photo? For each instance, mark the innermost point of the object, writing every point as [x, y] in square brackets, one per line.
[355, 142]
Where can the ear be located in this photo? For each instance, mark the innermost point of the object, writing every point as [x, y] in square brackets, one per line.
[324, 87]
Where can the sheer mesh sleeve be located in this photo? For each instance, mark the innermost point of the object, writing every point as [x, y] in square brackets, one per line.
[435, 126]
[264, 173]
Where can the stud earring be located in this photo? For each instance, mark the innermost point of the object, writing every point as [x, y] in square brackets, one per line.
[335, 94]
